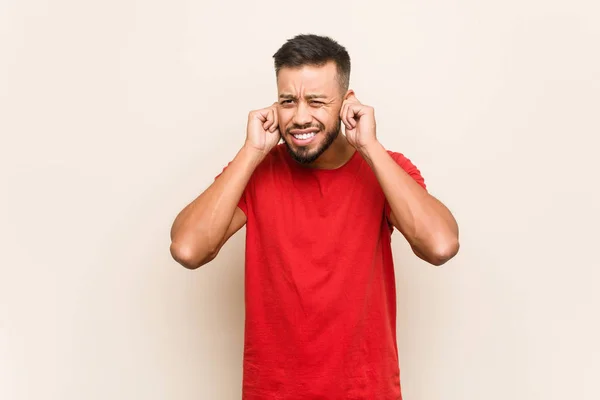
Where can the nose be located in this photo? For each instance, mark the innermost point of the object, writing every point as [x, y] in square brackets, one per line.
[302, 115]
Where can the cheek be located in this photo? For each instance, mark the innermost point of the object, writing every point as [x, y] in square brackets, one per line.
[284, 117]
[326, 117]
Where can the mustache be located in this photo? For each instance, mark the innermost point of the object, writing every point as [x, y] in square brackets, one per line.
[320, 127]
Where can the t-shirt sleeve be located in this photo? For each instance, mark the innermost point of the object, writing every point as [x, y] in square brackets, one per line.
[242, 204]
[410, 169]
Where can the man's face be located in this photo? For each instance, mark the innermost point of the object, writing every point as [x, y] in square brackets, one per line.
[309, 106]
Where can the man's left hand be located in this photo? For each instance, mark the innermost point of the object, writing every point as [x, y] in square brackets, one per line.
[359, 121]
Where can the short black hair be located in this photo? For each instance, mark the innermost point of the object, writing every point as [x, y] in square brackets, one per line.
[314, 50]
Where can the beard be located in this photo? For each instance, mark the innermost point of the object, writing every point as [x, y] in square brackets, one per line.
[306, 155]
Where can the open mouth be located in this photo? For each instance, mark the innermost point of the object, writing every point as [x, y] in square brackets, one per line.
[303, 138]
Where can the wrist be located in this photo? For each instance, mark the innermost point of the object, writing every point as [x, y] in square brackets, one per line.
[252, 154]
[370, 150]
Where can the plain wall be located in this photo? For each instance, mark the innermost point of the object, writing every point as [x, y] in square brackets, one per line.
[115, 114]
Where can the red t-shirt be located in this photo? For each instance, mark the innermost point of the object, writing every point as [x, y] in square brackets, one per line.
[320, 289]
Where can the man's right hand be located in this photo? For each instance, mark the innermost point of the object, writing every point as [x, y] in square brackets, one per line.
[263, 130]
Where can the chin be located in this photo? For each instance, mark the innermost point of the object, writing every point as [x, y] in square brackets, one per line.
[304, 154]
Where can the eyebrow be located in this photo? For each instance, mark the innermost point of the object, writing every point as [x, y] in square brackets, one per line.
[285, 96]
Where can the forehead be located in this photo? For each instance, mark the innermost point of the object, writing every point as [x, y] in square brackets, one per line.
[308, 79]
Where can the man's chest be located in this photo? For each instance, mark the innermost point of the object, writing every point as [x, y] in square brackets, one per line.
[302, 206]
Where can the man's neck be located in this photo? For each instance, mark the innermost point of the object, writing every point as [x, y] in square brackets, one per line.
[338, 154]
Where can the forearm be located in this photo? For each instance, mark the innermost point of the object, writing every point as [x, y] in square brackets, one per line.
[426, 223]
[199, 229]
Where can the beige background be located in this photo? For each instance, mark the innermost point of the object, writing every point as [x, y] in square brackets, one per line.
[115, 114]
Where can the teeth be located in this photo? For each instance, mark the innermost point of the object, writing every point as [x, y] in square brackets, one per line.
[304, 136]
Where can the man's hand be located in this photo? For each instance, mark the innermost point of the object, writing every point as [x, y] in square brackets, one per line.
[359, 121]
[263, 129]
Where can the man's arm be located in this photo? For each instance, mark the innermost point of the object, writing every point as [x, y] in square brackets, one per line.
[201, 228]
[427, 224]
[424, 221]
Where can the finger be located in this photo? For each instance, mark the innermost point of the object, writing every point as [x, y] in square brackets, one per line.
[275, 125]
[343, 115]
[351, 115]
[268, 119]
[260, 115]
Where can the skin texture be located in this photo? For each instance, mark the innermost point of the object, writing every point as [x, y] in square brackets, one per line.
[310, 98]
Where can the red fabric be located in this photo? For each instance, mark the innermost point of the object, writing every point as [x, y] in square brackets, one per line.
[320, 287]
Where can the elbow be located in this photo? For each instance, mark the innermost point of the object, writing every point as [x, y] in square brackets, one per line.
[444, 252]
[189, 256]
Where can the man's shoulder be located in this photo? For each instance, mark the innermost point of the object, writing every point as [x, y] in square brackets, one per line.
[407, 165]
[274, 157]
[400, 158]
[397, 156]
[278, 152]
[272, 164]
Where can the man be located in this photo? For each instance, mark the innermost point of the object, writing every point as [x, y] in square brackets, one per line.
[319, 211]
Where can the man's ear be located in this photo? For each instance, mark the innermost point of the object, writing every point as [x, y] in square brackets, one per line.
[349, 94]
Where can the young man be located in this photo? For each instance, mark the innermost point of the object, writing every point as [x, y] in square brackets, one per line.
[319, 211]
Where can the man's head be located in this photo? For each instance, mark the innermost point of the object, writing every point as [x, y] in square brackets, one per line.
[313, 74]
